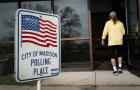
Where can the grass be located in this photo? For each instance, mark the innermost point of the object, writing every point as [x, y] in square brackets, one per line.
[10, 80]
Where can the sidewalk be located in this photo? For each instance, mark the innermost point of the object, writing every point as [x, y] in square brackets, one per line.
[95, 80]
[4, 87]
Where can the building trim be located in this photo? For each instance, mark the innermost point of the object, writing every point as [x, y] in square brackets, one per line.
[90, 35]
[76, 38]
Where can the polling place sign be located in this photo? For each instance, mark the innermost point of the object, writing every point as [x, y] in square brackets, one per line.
[37, 45]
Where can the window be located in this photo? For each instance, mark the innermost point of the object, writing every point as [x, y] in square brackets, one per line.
[74, 26]
[75, 54]
[42, 6]
[7, 21]
[7, 29]
[74, 17]
[74, 33]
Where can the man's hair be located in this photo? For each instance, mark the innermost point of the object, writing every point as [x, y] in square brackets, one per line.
[113, 16]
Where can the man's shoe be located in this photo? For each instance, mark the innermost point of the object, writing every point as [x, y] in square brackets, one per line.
[120, 69]
[115, 73]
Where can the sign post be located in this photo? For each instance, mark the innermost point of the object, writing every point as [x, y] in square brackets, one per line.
[37, 46]
[39, 85]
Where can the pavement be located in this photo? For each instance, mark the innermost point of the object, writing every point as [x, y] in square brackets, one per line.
[93, 78]
[5, 87]
[90, 80]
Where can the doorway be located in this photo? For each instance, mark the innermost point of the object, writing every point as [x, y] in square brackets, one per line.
[100, 10]
[133, 7]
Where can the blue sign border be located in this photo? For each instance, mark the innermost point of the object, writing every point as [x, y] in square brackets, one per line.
[17, 69]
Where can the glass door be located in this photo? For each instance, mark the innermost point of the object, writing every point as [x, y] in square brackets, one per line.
[133, 36]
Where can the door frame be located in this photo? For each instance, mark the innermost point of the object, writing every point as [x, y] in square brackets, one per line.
[90, 36]
[90, 30]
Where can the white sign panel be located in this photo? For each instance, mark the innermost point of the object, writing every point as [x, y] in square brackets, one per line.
[37, 48]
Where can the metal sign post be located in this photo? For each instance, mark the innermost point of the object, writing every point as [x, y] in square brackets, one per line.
[37, 46]
[39, 85]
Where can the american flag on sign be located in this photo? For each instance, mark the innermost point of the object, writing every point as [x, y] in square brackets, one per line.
[38, 31]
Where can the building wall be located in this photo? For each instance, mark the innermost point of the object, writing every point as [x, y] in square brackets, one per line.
[75, 17]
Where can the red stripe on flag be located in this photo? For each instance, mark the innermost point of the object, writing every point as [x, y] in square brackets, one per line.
[30, 41]
[44, 41]
[47, 25]
[48, 29]
[47, 21]
[43, 36]
[48, 33]
[49, 44]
